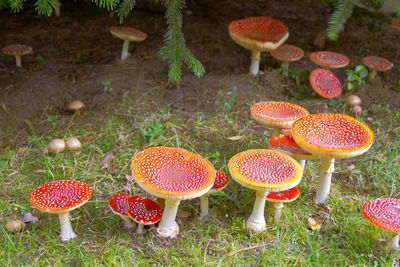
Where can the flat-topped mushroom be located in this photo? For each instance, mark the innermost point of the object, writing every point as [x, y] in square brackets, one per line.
[76, 106]
[325, 83]
[287, 53]
[384, 213]
[277, 115]
[144, 211]
[61, 197]
[128, 34]
[330, 60]
[279, 198]
[258, 34]
[265, 171]
[396, 23]
[17, 50]
[375, 64]
[221, 181]
[174, 174]
[118, 203]
[331, 136]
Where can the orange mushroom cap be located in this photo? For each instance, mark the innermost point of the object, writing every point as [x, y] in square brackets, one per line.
[332, 135]
[287, 53]
[396, 23]
[284, 196]
[264, 169]
[329, 59]
[287, 131]
[258, 33]
[144, 210]
[287, 145]
[277, 114]
[377, 63]
[173, 173]
[383, 213]
[128, 33]
[325, 83]
[221, 181]
[16, 49]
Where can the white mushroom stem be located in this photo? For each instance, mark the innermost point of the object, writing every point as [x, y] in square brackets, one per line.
[204, 205]
[66, 228]
[278, 211]
[255, 62]
[125, 50]
[140, 229]
[285, 68]
[372, 75]
[256, 221]
[302, 162]
[326, 168]
[127, 221]
[18, 60]
[167, 227]
[57, 8]
[393, 242]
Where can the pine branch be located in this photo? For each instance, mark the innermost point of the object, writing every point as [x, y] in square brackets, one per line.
[16, 5]
[336, 22]
[125, 8]
[109, 4]
[45, 7]
[4, 4]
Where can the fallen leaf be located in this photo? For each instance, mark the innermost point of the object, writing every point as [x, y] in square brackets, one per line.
[106, 161]
[29, 218]
[183, 214]
[235, 138]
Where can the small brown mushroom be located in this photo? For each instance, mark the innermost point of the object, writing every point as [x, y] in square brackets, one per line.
[76, 106]
[15, 225]
[353, 100]
[56, 145]
[73, 144]
[356, 110]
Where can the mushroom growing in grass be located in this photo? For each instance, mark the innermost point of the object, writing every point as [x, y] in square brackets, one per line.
[329, 60]
[330, 137]
[144, 211]
[76, 106]
[258, 34]
[127, 34]
[17, 50]
[264, 171]
[173, 174]
[325, 83]
[287, 53]
[61, 197]
[221, 181]
[279, 198]
[384, 213]
[73, 144]
[376, 64]
[118, 203]
[56, 145]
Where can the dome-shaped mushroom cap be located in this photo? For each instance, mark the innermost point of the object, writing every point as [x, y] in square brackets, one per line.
[325, 83]
[287, 53]
[60, 196]
[396, 23]
[284, 196]
[377, 63]
[76, 105]
[221, 181]
[264, 169]
[329, 59]
[128, 33]
[144, 211]
[258, 33]
[16, 49]
[383, 213]
[173, 173]
[277, 114]
[119, 203]
[287, 145]
[332, 135]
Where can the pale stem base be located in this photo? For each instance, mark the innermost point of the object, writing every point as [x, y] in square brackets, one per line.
[127, 222]
[125, 50]
[302, 163]
[66, 228]
[57, 8]
[372, 75]
[326, 168]
[255, 62]
[285, 69]
[140, 229]
[18, 60]
[278, 211]
[204, 205]
[393, 241]
[167, 227]
[256, 221]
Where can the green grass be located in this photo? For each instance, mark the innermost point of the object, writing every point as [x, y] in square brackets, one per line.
[345, 238]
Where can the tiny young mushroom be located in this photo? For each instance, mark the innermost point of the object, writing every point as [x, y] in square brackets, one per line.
[264, 171]
[221, 181]
[375, 64]
[174, 174]
[17, 50]
[258, 34]
[118, 203]
[76, 106]
[325, 83]
[384, 213]
[329, 60]
[331, 136]
[287, 53]
[61, 197]
[278, 198]
[353, 100]
[144, 211]
[73, 144]
[127, 34]
[56, 145]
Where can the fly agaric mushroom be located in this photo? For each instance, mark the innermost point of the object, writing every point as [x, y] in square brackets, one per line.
[278, 198]
[331, 136]
[221, 181]
[56, 145]
[73, 144]
[376, 64]
[287, 131]
[76, 106]
[118, 203]
[396, 23]
[265, 171]
[174, 174]
[325, 83]
[144, 211]
[287, 53]
[127, 34]
[329, 60]
[286, 145]
[17, 50]
[277, 115]
[384, 213]
[258, 34]
[61, 197]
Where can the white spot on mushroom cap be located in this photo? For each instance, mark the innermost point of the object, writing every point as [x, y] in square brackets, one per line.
[383, 213]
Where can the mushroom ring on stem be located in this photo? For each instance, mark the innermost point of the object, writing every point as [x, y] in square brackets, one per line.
[331, 136]
[127, 34]
[279, 198]
[174, 174]
[61, 197]
[118, 203]
[264, 171]
[329, 60]
[221, 181]
[17, 50]
[144, 211]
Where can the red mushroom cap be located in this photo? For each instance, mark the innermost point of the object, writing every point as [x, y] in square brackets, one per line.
[284, 196]
[16, 49]
[329, 59]
[287, 144]
[60, 196]
[128, 33]
[277, 114]
[221, 181]
[332, 135]
[377, 63]
[383, 213]
[144, 211]
[396, 23]
[119, 203]
[287, 53]
[325, 83]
